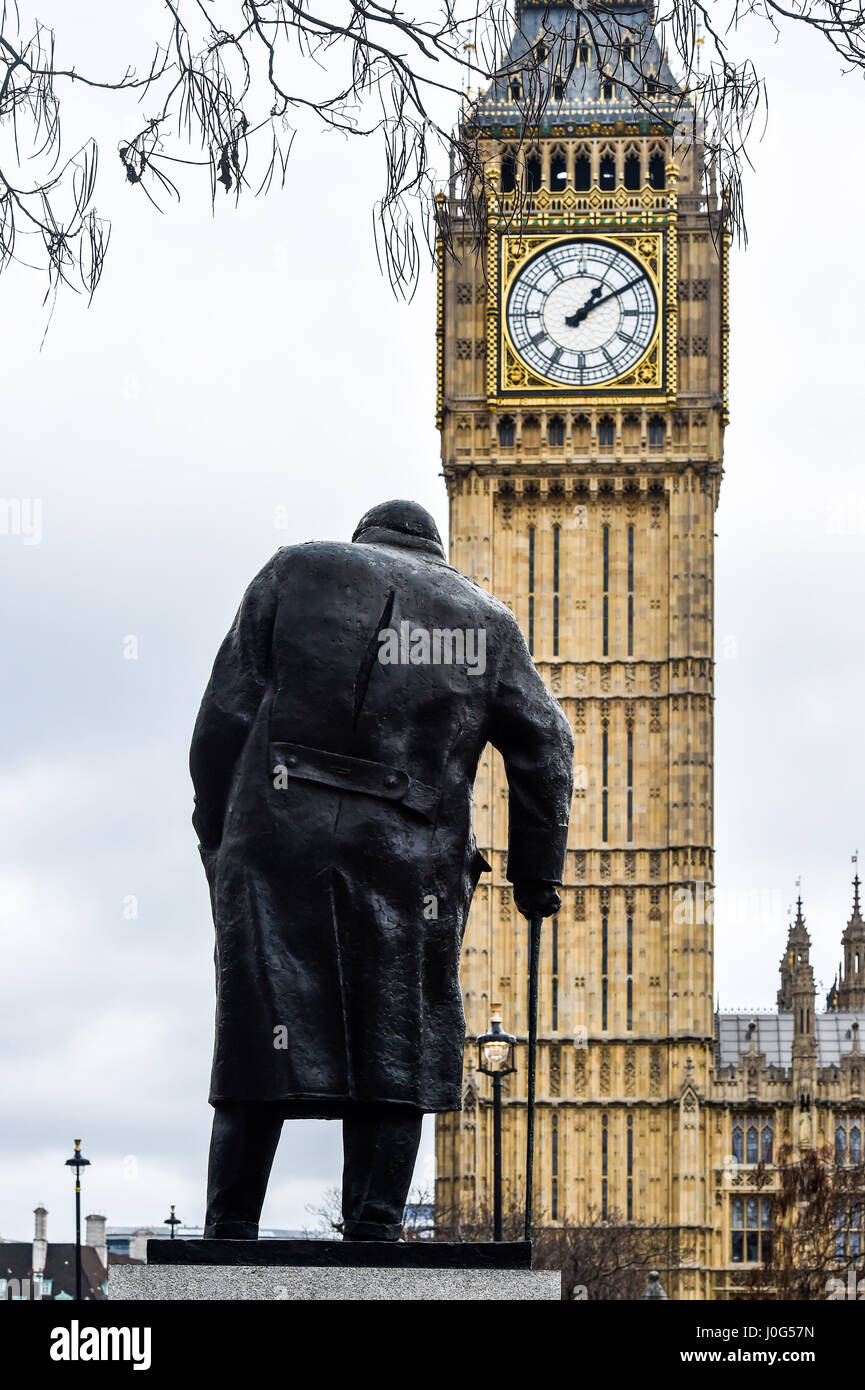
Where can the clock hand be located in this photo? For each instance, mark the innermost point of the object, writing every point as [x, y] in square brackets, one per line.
[574, 319]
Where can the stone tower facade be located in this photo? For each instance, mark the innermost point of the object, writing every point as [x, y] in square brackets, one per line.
[583, 474]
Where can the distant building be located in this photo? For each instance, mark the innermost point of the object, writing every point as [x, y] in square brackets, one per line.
[131, 1241]
[785, 1082]
[46, 1270]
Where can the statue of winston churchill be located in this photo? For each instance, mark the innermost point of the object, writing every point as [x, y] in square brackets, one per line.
[333, 761]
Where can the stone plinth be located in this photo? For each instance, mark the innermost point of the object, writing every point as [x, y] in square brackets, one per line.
[310, 1270]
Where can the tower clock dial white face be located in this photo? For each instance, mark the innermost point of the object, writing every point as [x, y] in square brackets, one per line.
[582, 313]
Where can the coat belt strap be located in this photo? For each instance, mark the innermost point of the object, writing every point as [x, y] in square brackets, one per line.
[355, 775]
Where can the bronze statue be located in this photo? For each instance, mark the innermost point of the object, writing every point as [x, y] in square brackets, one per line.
[333, 761]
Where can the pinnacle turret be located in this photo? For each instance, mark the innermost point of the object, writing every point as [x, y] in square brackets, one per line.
[851, 983]
[797, 955]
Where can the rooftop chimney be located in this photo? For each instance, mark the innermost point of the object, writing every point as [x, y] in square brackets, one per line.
[40, 1239]
[138, 1244]
[95, 1237]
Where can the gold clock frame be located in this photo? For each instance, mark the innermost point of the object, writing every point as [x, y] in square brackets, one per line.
[652, 380]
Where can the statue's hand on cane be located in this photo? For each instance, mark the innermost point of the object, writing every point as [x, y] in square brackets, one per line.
[536, 897]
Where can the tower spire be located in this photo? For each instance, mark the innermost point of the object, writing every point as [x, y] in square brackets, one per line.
[802, 993]
[797, 955]
[851, 984]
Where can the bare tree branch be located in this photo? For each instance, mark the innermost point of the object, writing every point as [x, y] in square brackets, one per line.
[227, 81]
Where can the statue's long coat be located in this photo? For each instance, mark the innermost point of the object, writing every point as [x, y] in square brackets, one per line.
[340, 911]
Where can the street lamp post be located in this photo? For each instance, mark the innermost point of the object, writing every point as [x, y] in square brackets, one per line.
[172, 1221]
[78, 1161]
[496, 1059]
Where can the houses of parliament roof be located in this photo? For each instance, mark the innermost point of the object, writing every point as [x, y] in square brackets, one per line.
[836, 1030]
[773, 1037]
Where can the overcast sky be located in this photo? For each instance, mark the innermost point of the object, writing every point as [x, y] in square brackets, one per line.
[236, 369]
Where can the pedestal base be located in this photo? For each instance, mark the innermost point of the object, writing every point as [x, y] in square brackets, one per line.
[266, 1270]
[215, 1283]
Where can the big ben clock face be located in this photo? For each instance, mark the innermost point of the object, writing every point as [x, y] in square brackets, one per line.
[582, 312]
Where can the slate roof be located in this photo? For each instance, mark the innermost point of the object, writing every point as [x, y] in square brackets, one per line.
[16, 1262]
[583, 99]
[774, 1037]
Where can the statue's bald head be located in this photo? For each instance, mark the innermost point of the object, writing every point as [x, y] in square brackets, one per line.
[399, 523]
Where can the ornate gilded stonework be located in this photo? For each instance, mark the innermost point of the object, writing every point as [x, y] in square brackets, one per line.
[590, 512]
[510, 382]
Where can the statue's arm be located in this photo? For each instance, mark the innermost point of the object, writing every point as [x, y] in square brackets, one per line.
[230, 705]
[531, 732]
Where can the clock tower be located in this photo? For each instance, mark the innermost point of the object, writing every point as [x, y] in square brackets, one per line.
[582, 355]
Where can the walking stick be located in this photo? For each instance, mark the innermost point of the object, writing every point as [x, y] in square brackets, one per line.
[534, 966]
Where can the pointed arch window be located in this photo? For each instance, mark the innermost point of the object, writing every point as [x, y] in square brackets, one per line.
[557, 545]
[630, 1167]
[605, 635]
[554, 1001]
[657, 430]
[554, 1205]
[556, 432]
[753, 1138]
[584, 54]
[558, 89]
[531, 633]
[509, 173]
[605, 794]
[738, 1141]
[848, 1139]
[606, 432]
[608, 171]
[604, 974]
[630, 1020]
[607, 91]
[558, 170]
[657, 171]
[515, 89]
[507, 432]
[630, 611]
[533, 171]
[849, 1230]
[630, 787]
[582, 173]
[632, 171]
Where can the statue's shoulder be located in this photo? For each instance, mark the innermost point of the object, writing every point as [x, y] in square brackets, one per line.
[310, 549]
[308, 555]
[494, 606]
